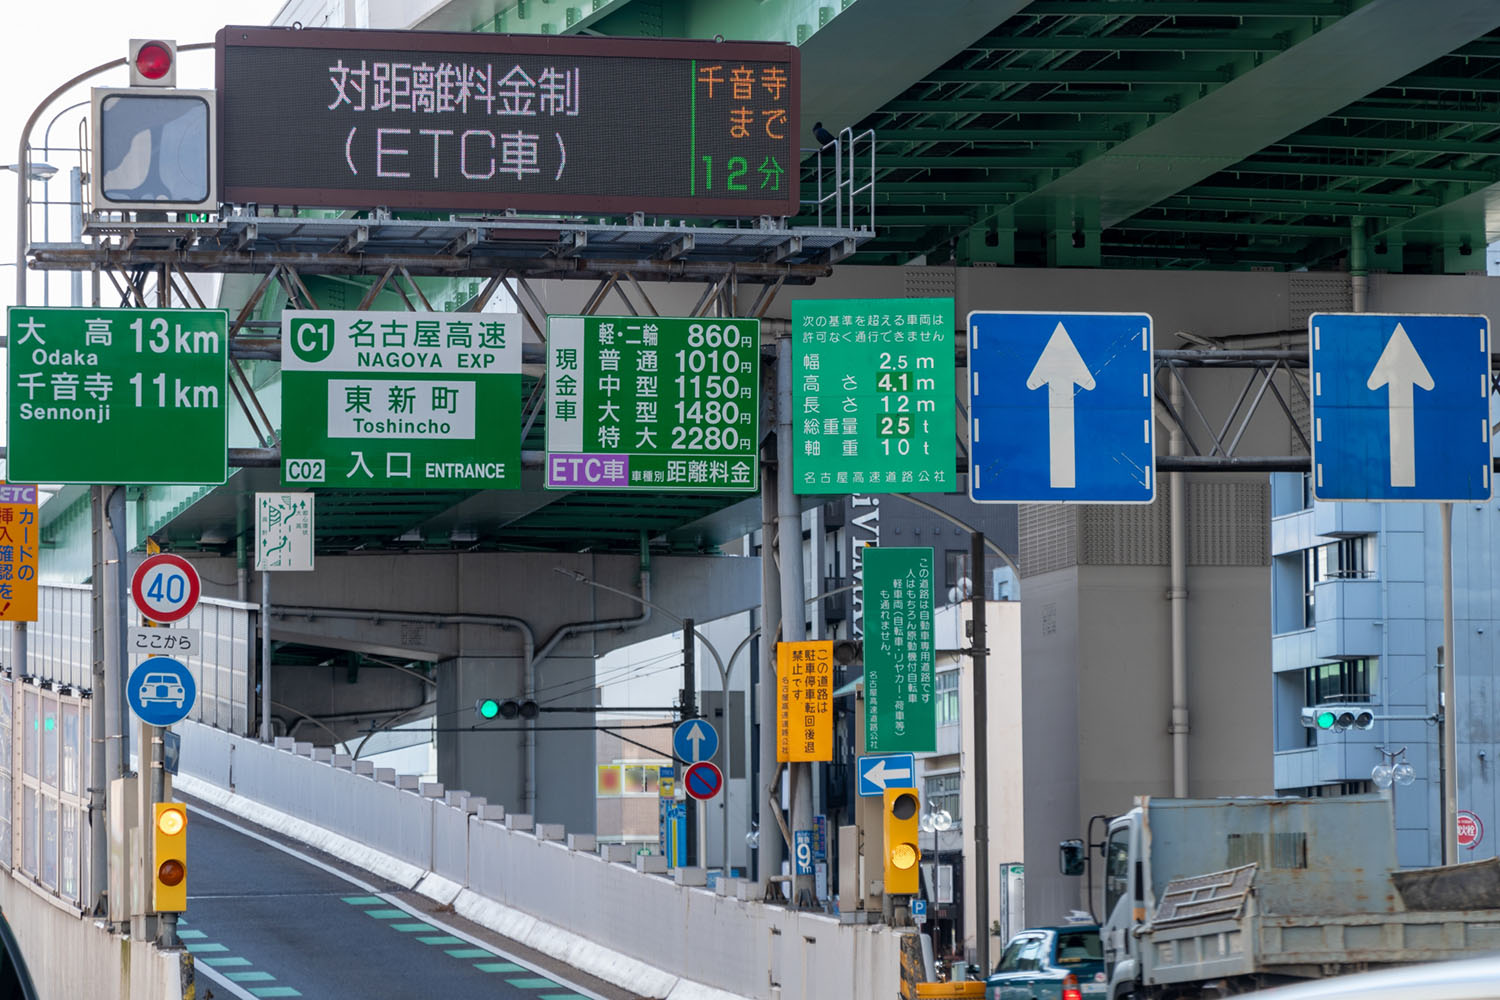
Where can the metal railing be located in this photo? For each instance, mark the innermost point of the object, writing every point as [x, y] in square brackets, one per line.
[841, 188]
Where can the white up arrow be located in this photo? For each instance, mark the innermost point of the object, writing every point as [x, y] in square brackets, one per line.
[696, 736]
[1400, 368]
[878, 774]
[1060, 368]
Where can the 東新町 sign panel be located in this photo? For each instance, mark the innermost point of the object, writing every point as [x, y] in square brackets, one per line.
[652, 403]
[478, 121]
[118, 395]
[873, 396]
[401, 400]
[900, 713]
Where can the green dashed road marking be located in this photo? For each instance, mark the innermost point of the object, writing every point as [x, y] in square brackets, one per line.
[191, 935]
[387, 914]
[441, 939]
[199, 947]
[251, 977]
[223, 963]
[409, 928]
[470, 953]
[276, 991]
[532, 984]
[364, 900]
[498, 967]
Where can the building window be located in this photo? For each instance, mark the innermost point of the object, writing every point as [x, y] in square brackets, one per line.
[942, 792]
[955, 567]
[945, 687]
[1309, 580]
[1347, 559]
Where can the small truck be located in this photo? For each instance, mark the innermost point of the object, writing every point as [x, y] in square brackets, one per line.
[1215, 897]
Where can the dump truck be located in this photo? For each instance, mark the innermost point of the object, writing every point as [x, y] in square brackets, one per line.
[1214, 897]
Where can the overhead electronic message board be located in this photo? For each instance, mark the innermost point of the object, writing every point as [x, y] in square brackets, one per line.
[652, 403]
[118, 395]
[474, 121]
[401, 400]
[873, 396]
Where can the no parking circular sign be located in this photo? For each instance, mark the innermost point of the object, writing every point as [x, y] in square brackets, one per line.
[703, 780]
[165, 587]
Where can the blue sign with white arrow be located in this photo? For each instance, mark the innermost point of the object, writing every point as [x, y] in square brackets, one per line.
[161, 691]
[878, 772]
[695, 740]
[1400, 407]
[1061, 408]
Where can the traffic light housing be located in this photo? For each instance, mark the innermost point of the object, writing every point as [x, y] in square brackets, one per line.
[169, 858]
[902, 809]
[153, 62]
[491, 708]
[1337, 717]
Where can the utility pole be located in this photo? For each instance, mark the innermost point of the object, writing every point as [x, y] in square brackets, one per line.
[979, 658]
[690, 711]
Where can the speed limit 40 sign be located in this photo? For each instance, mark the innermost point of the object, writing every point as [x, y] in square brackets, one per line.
[165, 587]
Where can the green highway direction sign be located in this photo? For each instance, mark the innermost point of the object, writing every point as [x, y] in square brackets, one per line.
[873, 396]
[653, 403]
[117, 395]
[900, 713]
[401, 400]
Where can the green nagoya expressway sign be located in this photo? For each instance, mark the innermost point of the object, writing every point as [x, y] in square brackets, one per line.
[900, 713]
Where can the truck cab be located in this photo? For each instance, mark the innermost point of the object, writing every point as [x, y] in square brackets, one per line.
[1124, 901]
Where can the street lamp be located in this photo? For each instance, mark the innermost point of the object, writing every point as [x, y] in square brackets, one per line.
[34, 171]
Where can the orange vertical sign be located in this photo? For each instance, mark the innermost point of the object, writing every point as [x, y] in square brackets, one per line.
[804, 701]
[19, 533]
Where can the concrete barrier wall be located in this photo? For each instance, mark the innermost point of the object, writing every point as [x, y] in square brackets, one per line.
[72, 956]
[643, 932]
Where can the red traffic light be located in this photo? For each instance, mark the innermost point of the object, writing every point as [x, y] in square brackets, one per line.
[153, 60]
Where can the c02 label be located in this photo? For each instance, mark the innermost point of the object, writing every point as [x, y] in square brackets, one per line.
[305, 470]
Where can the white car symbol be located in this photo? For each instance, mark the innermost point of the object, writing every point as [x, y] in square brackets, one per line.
[163, 688]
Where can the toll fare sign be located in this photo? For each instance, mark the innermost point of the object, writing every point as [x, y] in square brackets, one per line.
[873, 396]
[653, 403]
[401, 400]
[118, 395]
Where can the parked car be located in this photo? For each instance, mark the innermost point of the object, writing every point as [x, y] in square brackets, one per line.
[1464, 979]
[1049, 963]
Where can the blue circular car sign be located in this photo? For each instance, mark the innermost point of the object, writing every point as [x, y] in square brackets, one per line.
[161, 691]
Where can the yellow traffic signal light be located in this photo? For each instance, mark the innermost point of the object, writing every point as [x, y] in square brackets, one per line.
[169, 858]
[901, 850]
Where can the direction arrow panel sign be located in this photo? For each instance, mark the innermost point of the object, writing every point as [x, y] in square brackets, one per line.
[1400, 407]
[1061, 408]
[882, 771]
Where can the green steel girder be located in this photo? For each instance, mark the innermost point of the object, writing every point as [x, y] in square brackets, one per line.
[1293, 168]
[1313, 197]
[1192, 201]
[1133, 43]
[922, 221]
[1392, 143]
[1091, 77]
[1172, 224]
[1062, 106]
[1399, 112]
[1471, 84]
[962, 161]
[985, 136]
[1192, 8]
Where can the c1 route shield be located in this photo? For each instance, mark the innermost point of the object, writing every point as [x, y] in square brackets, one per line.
[1061, 408]
[695, 740]
[161, 691]
[1400, 407]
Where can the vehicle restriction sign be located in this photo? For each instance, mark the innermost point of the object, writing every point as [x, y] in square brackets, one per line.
[161, 691]
[1470, 830]
[165, 587]
[703, 780]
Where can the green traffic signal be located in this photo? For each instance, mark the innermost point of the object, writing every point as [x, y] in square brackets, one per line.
[487, 708]
[1327, 719]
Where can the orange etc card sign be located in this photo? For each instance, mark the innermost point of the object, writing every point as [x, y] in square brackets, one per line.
[18, 548]
[804, 701]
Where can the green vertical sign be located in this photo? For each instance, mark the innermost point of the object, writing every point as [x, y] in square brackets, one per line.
[401, 400]
[873, 396]
[900, 713]
[117, 395]
[653, 403]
